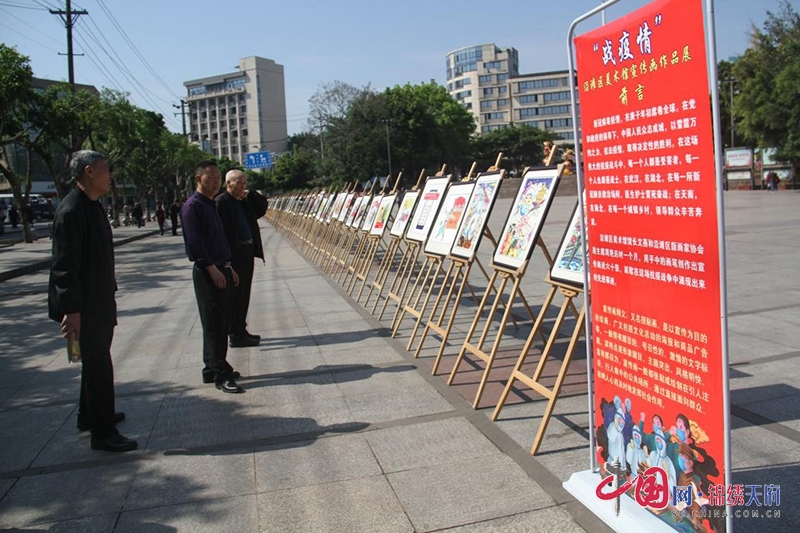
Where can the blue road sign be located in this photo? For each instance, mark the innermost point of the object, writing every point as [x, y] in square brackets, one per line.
[258, 160]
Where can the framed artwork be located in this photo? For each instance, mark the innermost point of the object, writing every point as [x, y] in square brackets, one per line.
[333, 214]
[429, 202]
[382, 217]
[448, 219]
[404, 213]
[372, 212]
[569, 262]
[479, 207]
[326, 208]
[348, 201]
[351, 216]
[362, 209]
[527, 215]
[317, 206]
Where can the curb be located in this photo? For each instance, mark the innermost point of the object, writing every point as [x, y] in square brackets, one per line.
[40, 265]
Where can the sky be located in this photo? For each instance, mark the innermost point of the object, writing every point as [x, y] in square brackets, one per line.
[148, 48]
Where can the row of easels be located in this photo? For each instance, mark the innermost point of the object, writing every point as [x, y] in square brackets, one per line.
[428, 289]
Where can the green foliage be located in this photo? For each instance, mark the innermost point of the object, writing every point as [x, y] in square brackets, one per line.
[522, 146]
[768, 76]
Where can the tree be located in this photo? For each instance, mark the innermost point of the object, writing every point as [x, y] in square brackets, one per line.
[768, 75]
[522, 146]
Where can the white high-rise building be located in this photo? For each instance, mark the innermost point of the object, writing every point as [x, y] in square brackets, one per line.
[239, 112]
[486, 80]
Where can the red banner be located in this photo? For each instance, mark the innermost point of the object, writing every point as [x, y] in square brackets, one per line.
[653, 244]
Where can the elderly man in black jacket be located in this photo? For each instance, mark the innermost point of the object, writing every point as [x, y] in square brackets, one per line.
[81, 295]
[240, 210]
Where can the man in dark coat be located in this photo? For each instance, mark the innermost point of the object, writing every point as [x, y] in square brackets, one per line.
[240, 210]
[81, 295]
[214, 277]
[174, 211]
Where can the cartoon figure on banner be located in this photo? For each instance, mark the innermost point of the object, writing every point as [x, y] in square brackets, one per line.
[521, 221]
[674, 457]
[476, 214]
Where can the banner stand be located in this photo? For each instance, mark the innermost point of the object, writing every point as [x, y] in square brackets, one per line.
[569, 293]
[632, 517]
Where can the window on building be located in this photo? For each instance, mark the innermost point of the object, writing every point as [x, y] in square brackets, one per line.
[241, 97]
[503, 89]
[558, 123]
[528, 112]
[566, 135]
[494, 116]
[463, 94]
[468, 105]
[493, 64]
[488, 91]
[194, 117]
[538, 84]
[502, 101]
[242, 121]
[224, 134]
[224, 150]
[203, 115]
[222, 112]
[244, 149]
[244, 133]
[234, 149]
[528, 99]
[554, 110]
[242, 109]
[485, 79]
[554, 97]
[460, 83]
[486, 104]
[221, 123]
[502, 77]
[232, 111]
[234, 133]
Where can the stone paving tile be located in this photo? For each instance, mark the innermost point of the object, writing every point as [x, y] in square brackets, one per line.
[325, 460]
[91, 524]
[376, 379]
[548, 519]
[396, 404]
[363, 504]
[239, 514]
[177, 479]
[271, 391]
[466, 492]
[65, 495]
[428, 444]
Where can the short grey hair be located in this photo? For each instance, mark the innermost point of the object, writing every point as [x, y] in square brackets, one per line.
[234, 175]
[81, 159]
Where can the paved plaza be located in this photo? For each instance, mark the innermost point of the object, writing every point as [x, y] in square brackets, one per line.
[341, 428]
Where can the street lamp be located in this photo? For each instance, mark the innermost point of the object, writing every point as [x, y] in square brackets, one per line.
[388, 146]
[731, 81]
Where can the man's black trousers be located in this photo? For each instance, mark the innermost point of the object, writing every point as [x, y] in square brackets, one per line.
[241, 299]
[97, 377]
[214, 306]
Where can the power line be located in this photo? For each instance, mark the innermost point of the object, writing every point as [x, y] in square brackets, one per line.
[22, 7]
[98, 64]
[122, 32]
[31, 27]
[28, 37]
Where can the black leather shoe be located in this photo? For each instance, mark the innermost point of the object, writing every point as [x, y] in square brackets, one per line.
[85, 426]
[210, 379]
[242, 342]
[251, 336]
[114, 443]
[230, 386]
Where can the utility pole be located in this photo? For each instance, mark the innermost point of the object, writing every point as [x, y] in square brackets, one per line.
[69, 17]
[182, 107]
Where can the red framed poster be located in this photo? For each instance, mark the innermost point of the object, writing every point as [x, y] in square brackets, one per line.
[651, 207]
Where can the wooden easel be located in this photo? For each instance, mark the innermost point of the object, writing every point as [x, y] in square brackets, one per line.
[388, 258]
[570, 293]
[320, 247]
[405, 269]
[333, 227]
[349, 261]
[373, 244]
[340, 239]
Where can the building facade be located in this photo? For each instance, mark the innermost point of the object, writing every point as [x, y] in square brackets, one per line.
[233, 114]
[486, 80]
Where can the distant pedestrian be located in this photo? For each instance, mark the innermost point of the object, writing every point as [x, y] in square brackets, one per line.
[13, 215]
[174, 211]
[81, 295]
[772, 181]
[161, 217]
[214, 278]
[138, 215]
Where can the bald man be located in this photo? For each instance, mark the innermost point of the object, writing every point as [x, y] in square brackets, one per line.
[240, 210]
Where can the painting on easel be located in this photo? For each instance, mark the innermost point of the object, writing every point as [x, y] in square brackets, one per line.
[569, 263]
[354, 211]
[382, 216]
[477, 214]
[431, 199]
[346, 207]
[372, 212]
[404, 213]
[443, 233]
[526, 218]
